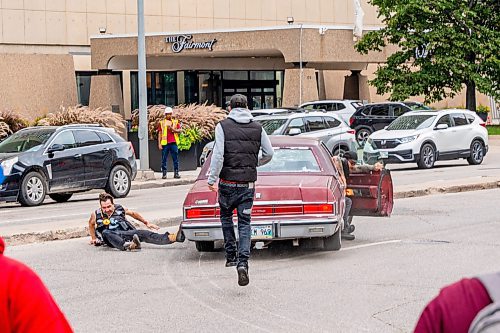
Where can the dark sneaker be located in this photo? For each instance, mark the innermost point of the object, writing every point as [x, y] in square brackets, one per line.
[180, 237]
[177, 176]
[243, 279]
[347, 236]
[231, 261]
[350, 229]
[135, 244]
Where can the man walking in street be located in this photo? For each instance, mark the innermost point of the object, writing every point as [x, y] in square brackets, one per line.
[345, 166]
[109, 225]
[235, 157]
[168, 139]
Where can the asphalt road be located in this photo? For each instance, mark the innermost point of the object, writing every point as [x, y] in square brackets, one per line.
[165, 203]
[378, 283]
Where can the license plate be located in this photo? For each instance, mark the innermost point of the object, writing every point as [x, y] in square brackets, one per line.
[262, 232]
[384, 154]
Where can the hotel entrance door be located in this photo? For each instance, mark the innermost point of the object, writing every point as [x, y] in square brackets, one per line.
[260, 95]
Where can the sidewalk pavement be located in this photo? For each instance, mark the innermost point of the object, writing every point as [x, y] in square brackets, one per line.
[187, 177]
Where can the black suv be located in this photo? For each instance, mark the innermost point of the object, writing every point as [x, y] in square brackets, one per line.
[60, 161]
[373, 117]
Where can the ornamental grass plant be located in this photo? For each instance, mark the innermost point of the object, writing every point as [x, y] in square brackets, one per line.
[83, 115]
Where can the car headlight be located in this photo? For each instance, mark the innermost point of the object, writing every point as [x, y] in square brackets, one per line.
[408, 139]
[8, 164]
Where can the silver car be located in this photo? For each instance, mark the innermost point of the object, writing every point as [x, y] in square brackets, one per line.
[329, 128]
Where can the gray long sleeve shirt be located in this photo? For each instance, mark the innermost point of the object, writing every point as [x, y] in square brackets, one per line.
[242, 116]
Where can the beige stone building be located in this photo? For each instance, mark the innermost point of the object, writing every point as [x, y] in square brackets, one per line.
[277, 52]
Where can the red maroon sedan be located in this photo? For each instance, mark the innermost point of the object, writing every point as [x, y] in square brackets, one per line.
[297, 196]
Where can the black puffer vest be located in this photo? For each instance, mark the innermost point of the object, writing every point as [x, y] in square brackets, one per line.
[241, 150]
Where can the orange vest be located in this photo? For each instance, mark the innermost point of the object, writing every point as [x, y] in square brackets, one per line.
[164, 129]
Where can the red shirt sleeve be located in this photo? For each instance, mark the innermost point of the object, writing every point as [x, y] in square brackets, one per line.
[25, 303]
[454, 308]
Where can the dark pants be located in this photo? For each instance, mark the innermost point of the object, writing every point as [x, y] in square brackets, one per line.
[174, 151]
[241, 199]
[347, 211]
[117, 238]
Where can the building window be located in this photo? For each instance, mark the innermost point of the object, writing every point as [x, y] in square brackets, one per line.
[161, 88]
[83, 87]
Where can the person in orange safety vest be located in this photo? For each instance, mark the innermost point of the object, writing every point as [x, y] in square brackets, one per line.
[168, 139]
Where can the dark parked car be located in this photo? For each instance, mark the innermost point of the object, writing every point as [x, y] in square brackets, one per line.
[60, 161]
[373, 117]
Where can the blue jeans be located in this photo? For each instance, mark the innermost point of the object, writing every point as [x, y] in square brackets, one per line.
[241, 199]
[172, 149]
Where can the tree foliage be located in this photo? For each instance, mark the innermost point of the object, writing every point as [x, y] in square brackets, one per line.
[462, 46]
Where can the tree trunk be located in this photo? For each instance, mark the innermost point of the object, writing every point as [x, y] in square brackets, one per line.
[470, 96]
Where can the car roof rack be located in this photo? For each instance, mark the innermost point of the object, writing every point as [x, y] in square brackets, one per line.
[83, 125]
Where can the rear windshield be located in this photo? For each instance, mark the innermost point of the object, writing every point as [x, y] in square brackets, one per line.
[417, 121]
[296, 160]
[272, 126]
[27, 140]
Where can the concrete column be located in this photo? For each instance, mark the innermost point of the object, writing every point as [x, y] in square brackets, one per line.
[334, 84]
[321, 85]
[105, 92]
[291, 88]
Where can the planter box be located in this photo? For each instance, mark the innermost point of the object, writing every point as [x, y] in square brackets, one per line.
[188, 159]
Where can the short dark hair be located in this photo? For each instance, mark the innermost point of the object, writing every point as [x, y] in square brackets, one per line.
[238, 101]
[103, 197]
[349, 156]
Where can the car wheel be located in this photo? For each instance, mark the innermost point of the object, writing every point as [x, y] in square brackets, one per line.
[119, 182]
[61, 197]
[476, 153]
[33, 189]
[339, 152]
[205, 246]
[362, 135]
[427, 156]
[333, 243]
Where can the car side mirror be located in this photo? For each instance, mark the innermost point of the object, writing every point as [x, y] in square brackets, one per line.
[55, 147]
[441, 127]
[294, 131]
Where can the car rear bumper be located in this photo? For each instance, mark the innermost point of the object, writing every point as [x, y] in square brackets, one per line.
[212, 231]
[9, 189]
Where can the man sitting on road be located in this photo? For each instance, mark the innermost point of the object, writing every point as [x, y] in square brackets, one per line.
[109, 225]
[345, 166]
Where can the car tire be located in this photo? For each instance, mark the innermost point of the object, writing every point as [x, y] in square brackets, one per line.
[362, 135]
[339, 151]
[476, 153]
[427, 156]
[205, 246]
[119, 182]
[33, 189]
[61, 197]
[333, 242]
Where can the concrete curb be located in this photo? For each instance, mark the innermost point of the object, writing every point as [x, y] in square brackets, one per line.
[35, 237]
[156, 184]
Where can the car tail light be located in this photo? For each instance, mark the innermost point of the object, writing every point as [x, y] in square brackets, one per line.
[482, 124]
[288, 210]
[197, 213]
[318, 209]
[351, 131]
[351, 121]
[132, 148]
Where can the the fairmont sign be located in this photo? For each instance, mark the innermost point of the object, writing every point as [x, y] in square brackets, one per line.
[185, 42]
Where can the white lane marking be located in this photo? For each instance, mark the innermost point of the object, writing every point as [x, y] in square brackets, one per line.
[361, 246]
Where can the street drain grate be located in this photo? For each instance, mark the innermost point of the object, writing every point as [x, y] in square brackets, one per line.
[427, 241]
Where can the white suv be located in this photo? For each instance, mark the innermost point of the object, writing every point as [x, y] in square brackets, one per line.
[343, 108]
[427, 136]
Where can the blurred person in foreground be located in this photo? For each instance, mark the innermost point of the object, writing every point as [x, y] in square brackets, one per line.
[25, 303]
